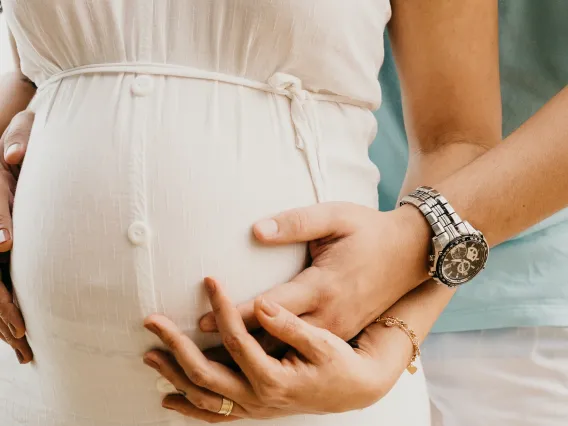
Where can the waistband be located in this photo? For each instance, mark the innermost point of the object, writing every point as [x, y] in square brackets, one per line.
[279, 83]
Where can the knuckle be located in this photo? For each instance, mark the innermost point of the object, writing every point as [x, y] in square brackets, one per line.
[313, 277]
[9, 339]
[273, 392]
[326, 343]
[9, 313]
[337, 324]
[171, 342]
[199, 377]
[177, 343]
[326, 292]
[272, 396]
[201, 402]
[234, 342]
[298, 221]
[216, 308]
[16, 134]
[20, 128]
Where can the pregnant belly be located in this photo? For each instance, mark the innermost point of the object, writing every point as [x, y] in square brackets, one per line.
[114, 221]
[122, 214]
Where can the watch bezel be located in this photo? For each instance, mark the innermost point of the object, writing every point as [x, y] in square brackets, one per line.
[445, 251]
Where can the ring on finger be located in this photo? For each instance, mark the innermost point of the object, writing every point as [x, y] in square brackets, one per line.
[226, 407]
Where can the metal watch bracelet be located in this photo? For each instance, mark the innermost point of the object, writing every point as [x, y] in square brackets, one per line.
[439, 214]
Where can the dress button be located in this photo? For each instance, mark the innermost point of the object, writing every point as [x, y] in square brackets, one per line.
[164, 386]
[138, 233]
[142, 85]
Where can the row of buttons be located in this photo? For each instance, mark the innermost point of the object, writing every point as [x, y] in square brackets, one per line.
[138, 232]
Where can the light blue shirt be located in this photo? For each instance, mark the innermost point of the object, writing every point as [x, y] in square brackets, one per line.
[526, 280]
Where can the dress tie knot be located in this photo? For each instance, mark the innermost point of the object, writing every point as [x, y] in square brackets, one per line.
[289, 84]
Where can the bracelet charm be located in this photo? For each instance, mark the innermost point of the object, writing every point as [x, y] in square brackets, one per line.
[396, 322]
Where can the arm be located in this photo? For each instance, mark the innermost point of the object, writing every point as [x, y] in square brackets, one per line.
[527, 172]
[449, 77]
[448, 63]
[447, 57]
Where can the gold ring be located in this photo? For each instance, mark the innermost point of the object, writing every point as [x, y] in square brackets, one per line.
[226, 407]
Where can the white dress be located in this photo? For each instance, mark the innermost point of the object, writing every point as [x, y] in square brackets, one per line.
[164, 130]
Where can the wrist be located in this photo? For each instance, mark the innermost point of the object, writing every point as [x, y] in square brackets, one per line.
[415, 236]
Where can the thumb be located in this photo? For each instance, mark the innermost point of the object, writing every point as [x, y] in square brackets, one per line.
[17, 136]
[306, 224]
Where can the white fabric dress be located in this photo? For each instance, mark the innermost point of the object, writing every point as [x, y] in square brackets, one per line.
[164, 129]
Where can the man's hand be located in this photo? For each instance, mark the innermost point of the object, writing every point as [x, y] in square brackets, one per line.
[13, 144]
[363, 261]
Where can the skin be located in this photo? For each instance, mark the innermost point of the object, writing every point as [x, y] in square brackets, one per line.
[16, 92]
[452, 112]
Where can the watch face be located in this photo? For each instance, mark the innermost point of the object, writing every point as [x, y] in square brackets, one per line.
[462, 259]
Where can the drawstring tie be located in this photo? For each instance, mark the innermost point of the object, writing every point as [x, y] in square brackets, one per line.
[306, 139]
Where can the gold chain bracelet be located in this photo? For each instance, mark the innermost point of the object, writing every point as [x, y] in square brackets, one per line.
[393, 321]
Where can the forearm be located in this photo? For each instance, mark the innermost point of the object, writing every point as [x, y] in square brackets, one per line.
[419, 309]
[521, 181]
[502, 192]
[509, 188]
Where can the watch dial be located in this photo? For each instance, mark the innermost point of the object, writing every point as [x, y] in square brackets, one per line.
[463, 259]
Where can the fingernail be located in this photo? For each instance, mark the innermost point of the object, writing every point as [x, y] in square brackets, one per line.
[12, 329]
[20, 356]
[268, 228]
[208, 323]
[269, 308]
[12, 149]
[4, 235]
[167, 407]
[150, 363]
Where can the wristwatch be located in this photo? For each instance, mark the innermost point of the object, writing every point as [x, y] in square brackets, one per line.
[459, 251]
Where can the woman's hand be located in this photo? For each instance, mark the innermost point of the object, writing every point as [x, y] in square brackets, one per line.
[321, 374]
[13, 144]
